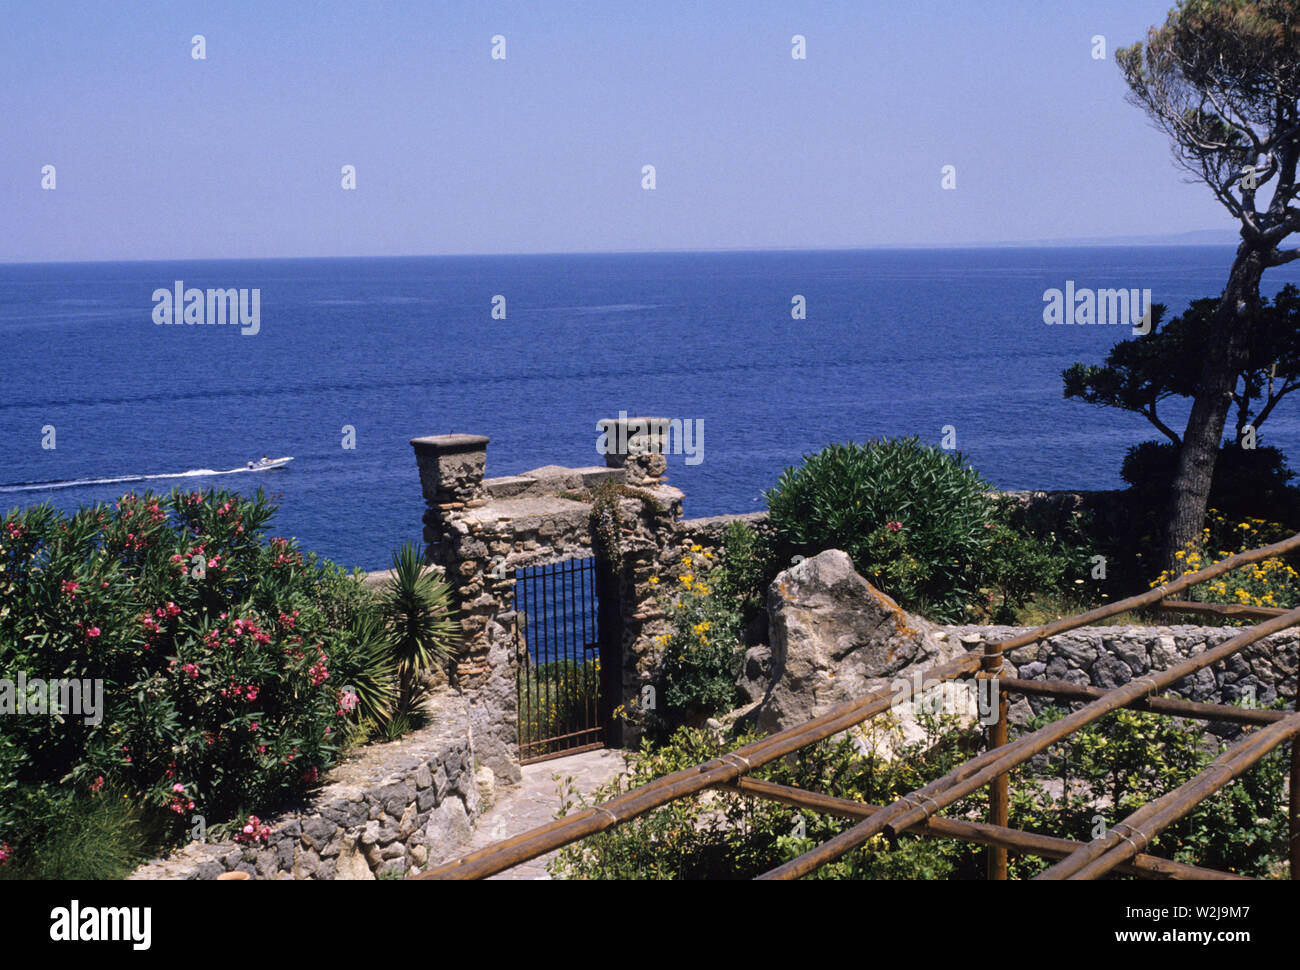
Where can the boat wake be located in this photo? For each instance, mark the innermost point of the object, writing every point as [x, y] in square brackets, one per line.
[86, 482]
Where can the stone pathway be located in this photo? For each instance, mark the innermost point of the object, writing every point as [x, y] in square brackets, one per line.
[534, 801]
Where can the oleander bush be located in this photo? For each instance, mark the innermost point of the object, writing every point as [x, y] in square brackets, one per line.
[232, 665]
[919, 524]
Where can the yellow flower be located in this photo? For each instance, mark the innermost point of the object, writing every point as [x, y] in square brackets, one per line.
[697, 548]
[654, 580]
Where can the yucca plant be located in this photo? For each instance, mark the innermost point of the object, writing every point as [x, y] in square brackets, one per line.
[373, 681]
[417, 613]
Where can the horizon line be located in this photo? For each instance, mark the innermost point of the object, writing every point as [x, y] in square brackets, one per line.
[1081, 243]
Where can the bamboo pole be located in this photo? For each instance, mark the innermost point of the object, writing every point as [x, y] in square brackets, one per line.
[999, 792]
[1177, 707]
[1123, 841]
[1221, 609]
[979, 771]
[1014, 840]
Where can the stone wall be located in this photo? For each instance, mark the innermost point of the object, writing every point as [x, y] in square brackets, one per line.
[394, 808]
[1108, 656]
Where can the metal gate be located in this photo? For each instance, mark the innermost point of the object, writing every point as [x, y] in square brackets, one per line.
[558, 651]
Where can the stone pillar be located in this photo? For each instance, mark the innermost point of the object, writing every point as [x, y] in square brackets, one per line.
[637, 446]
[451, 477]
[451, 469]
[648, 540]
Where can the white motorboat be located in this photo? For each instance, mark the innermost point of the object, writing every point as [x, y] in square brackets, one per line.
[267, 465]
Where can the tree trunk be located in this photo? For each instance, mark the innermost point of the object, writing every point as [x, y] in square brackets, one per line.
[1224, 357]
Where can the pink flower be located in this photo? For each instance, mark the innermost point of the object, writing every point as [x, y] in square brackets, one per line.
[894, 526]
[70, 588]
[254, 831]
[97, 784]
[178, 788]
[4, 853]
[93, 631]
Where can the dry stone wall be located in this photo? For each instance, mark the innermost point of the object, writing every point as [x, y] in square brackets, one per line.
[1108, 656]
[391, 809]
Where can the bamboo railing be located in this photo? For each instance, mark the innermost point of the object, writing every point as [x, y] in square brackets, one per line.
[1120, 849]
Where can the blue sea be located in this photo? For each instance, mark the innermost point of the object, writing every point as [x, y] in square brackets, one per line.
[895, 342]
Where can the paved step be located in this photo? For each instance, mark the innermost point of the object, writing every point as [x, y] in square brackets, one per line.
[535, 800]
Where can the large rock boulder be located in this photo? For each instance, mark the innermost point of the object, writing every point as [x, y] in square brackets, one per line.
[835, 637]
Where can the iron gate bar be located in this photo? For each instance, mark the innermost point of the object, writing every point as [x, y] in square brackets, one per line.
[689, 781]
[1023, 843]
[560, 710]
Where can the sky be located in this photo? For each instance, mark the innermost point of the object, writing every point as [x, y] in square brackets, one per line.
[158, 155]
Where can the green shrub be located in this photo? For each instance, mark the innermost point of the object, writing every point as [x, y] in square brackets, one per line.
[734, 836]
[702, 651]
[417, 613]
[221, 654]
[87, 835]
[1121, 762]
[1271, 583]
[1129, 758]
[1019, 565]
[745, 570]
[913, 519]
